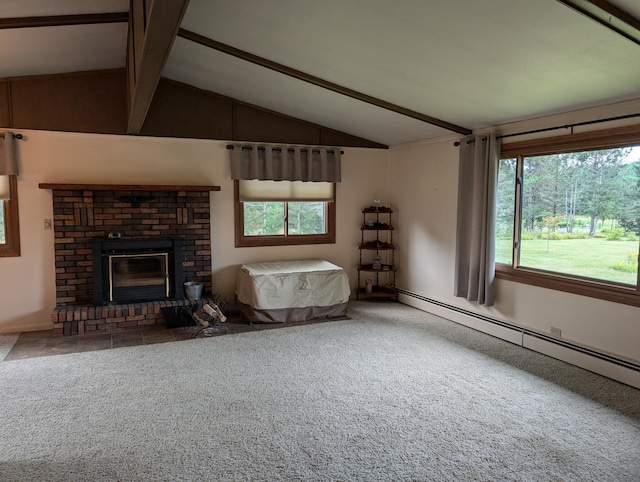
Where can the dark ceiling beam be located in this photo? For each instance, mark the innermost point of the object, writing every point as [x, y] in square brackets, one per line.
[152, 30]
[297, 74]
[64, 20]
[608, 15]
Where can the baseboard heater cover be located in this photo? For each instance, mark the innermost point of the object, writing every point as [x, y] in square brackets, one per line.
[619, 369]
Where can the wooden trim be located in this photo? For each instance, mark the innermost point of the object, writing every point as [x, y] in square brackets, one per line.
[64, 20]
[600, 139]
[580, 286]
[11, 222]
[311, 79]
[609, 16]
[242, 241]
[161, 28]
[125, 187]
[20, 78]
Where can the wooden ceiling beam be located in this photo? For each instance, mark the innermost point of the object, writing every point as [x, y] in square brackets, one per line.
[64, 20]
[153, 27]
[299, 75]
[608, 15]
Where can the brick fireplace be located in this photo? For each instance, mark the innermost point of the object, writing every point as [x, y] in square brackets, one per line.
[117, 215]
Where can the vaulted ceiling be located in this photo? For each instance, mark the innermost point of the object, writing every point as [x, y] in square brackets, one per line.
[391, 72]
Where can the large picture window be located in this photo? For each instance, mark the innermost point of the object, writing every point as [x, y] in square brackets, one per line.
[568, 214]
[9, 226]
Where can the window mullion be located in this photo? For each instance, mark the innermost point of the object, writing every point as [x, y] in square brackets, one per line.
[286, 219]
[638, 273]
[517, 223]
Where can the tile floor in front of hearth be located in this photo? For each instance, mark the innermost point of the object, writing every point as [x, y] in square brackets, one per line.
[42, 343]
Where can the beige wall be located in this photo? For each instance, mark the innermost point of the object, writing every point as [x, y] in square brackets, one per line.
[419, 180]
[27, 283]
[424, 187]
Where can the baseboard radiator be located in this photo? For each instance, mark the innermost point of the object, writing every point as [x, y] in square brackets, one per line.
[619, 369]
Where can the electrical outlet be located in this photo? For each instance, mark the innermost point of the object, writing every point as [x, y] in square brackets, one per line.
[557, 332]
[47, 224]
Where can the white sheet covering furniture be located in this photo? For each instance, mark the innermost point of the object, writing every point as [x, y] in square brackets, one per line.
[283, 291]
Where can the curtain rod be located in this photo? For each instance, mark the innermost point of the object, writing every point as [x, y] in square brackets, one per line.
[231, 147]
[15, 136]
[566, 126]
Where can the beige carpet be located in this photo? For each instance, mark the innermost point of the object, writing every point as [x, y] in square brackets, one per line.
[392, 394]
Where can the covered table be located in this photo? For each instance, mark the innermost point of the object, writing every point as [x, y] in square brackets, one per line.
[283, 291]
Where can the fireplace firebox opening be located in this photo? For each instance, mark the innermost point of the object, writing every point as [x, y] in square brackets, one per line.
[138, 276]
[129, 271]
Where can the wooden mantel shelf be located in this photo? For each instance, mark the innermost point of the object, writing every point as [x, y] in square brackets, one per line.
[125, 187]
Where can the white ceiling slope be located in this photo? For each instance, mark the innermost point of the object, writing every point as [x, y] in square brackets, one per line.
[53, 50]
[467, 62]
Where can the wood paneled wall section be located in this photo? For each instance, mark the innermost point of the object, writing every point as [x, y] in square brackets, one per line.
[180, 110]
[5, 106]
[83, 102]
[97, 102]
[177, 111]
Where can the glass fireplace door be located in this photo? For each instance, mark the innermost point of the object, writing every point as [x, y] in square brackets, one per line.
[140, 277]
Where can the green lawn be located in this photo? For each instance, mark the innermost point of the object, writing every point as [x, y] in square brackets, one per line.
[593, 258]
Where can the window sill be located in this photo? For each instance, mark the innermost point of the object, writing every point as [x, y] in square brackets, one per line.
[259, 241]
[616, 293]
[9, 253]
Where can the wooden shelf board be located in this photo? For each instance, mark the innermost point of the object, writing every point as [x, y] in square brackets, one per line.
[368, 267]
[381, 210]
[375, 248]
[373, 228]
[378, 292]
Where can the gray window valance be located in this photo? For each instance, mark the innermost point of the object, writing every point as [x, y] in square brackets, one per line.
[8, 164]
[8, 155]
[285, 163]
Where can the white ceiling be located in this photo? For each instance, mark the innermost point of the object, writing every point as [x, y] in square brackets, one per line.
[475, 63]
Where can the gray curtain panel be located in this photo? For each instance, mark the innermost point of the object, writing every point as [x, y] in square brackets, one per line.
[475, 237]
[285, 163]
[8, 154]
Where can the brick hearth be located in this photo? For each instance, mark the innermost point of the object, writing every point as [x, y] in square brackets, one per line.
[92, 212]
[83, 319]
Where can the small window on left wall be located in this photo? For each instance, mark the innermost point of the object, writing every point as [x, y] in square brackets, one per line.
[9, 223]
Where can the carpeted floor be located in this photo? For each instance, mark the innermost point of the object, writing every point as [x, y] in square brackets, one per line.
[391, 394]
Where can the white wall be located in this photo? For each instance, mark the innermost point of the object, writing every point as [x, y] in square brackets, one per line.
[27, 283]
[424, 182]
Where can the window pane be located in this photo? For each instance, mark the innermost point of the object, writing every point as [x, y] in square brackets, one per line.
[307, 218]
[3, 237]
[263, 218]
[505, 208]
[580, 214]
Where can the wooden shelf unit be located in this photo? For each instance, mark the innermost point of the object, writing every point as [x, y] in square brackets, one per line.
[377, 220]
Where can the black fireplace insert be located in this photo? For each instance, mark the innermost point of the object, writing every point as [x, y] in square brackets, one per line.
[137, 270]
